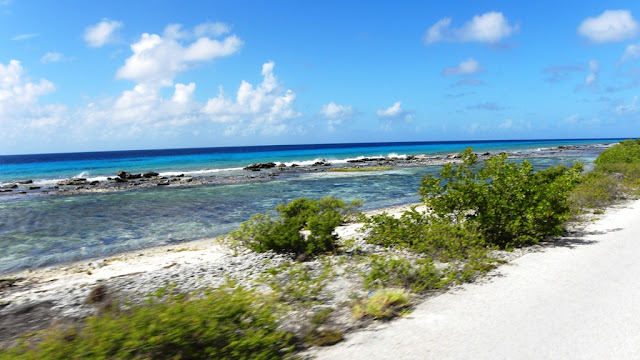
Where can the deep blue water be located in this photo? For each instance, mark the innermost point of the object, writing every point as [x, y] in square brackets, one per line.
[43, 230]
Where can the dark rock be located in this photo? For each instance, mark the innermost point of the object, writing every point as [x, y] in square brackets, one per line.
[9, 186]
[164, 183]
[94, 183]
[34, 187]
[282, 166]
[322, 162]
[119, 180]
[486, 153]
[181, 175]
[355, 161]
[123, 174]
[24, 182]
[134, 176]
[76, 181]
[295, 165]
[150, 174]
[5, 190]
[410, 157]
[98, 294]
[259, 166]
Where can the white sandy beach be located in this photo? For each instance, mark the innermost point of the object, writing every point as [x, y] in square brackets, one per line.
[577, 300]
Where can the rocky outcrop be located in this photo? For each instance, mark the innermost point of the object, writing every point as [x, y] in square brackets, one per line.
[150, 174]
[259, 166]
[73, 182]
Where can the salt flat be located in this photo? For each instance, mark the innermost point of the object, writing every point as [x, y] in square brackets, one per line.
[579, 299]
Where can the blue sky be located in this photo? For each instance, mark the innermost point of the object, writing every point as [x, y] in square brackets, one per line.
[117, 75]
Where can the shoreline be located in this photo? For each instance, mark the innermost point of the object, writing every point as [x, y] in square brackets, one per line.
[34, 299]
[125, 180]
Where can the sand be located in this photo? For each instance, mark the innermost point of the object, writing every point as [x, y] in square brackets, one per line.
[579, 299]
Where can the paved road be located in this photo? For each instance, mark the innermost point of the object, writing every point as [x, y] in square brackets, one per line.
[579, 301]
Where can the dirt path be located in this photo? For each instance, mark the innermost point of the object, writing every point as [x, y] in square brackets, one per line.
[577, 300]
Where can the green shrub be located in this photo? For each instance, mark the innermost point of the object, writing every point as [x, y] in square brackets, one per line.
[596, 190]
[283, 234]
[225, 323]
[391, 272]
[622, 158]
[511, 204]
[383, 304]
[440, 239]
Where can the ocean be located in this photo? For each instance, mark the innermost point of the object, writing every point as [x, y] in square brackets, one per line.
[38, 230]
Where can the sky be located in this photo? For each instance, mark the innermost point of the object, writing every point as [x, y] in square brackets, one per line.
[119, 75]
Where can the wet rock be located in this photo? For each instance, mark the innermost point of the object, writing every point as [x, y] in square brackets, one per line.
[259, 166]
[119, 180]
[123, 174]
[94, 183]
[164, 183]
[9, 186]
[34, 187]
[150, 174]
[74, 182]
[24, 182]
[134, 176]
[5, 190]
[322, 162]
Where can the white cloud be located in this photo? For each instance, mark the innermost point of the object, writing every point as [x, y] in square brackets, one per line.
[21, 37]
[594, 69]
[336, 114]
[467, 67]
[101, 33]
[610, 26]
[438, 31]
[51, 57]
[157, 59]
[264, 109]
[394, 113]
[631, 108]
[21, 115]
[490, 27]
[211, 29]
[631, 52]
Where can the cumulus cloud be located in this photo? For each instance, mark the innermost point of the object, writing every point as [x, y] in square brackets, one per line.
[438, 31]
[490, 27]
[157, 59]
[610, 26]
[631, 52]
[20, 111]
[101, 33]
[395, 112]
[51, 57]
[336, 114]
[467, 67]
[594, 69]
[264, 109]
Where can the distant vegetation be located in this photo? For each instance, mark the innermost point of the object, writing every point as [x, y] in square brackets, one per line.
[473, 209]
[615, 176]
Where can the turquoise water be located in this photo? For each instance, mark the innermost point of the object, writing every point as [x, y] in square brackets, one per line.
[37, 231]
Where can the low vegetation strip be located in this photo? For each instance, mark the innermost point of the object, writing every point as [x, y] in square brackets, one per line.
[474, 209]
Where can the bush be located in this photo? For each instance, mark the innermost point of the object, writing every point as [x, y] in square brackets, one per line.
[283, 234]
[382, 304]
[511, 204]
[226, 323]
[389, 272]
[441, 239]
[616, 173]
